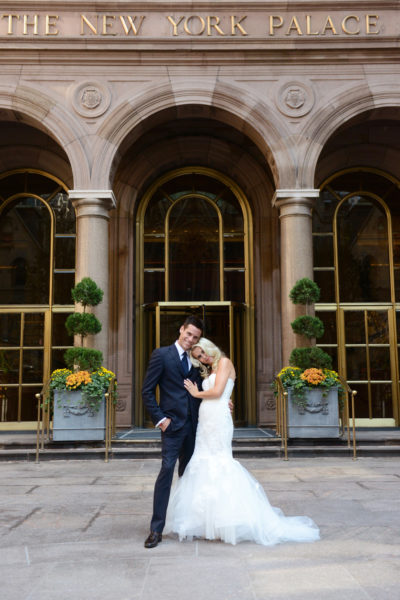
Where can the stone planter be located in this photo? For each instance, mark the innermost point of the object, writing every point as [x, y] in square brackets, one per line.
[319, 418]
[74, 420]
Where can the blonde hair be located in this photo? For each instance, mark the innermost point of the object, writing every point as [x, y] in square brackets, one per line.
[209, 348]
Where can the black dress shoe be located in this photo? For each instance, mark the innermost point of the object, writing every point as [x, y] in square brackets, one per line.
[153, 539]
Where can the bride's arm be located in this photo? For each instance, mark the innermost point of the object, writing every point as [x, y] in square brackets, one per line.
[224, 369]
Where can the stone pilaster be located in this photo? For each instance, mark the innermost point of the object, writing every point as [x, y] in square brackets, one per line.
[92, 251]
[296, 253]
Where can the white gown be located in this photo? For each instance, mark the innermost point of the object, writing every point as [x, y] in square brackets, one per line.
[217, 498]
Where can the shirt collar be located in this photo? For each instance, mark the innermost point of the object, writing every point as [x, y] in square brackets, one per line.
[180, 349]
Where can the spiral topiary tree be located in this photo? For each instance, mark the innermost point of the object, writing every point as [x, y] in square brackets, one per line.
[306, 292]
[83, 324]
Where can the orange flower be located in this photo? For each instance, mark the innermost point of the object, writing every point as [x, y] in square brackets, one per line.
[313, 376]
[75, 380]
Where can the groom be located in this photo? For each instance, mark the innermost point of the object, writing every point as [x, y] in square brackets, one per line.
[176, 415]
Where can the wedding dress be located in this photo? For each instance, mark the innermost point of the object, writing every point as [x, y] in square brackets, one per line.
[217, 498]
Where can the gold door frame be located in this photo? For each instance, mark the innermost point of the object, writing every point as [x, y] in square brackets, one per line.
[342, 307]
[24, 309]
[141, 358]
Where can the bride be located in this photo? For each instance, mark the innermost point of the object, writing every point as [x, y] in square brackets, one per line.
[217, 498]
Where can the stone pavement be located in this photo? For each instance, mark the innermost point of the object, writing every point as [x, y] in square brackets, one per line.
[74, 530]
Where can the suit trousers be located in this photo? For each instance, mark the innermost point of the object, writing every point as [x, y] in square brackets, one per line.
[174, 445]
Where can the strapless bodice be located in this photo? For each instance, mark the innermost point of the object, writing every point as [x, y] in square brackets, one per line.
[209, 383]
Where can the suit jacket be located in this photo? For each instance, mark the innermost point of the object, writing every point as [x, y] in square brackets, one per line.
[166, 371]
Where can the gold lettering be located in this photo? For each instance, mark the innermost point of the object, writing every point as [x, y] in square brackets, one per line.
[369, 24]
[329, 25]
[51, 23]
[10, 22]
[272, 23]
[202, 25]
[33, 24]
[294, 24]
[344, 25]
[236, 24]
[107, 25]
[308, 24]
[174, 25]
[210, 24]
[132, 24]
[85, 20]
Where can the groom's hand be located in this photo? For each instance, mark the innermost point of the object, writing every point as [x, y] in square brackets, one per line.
[165, 424]
[230, 404]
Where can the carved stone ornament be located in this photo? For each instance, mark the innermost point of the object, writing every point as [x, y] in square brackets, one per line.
[295, 99]
[90, 98]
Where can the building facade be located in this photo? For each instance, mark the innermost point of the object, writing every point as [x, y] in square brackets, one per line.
[200, 157]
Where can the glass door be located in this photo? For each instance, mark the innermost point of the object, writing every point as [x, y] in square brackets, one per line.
[369, 362]
[224, 324]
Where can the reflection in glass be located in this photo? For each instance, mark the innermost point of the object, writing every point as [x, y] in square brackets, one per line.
[354, 327]
[29, 403]
[25, 228]
[8, 403]
[380, 363]
[32, 366]
[194, 251]
[10, 327]
[154, 253]
[356, 364]
[378, 327]
[34, 329]
[233, 253]
[363, 258]
[9, 366]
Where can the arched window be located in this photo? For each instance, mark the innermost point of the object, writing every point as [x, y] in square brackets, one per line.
[356, 233]
[37, 271]
[194, 240]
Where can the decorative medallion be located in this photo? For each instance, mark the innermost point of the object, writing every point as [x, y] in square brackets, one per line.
[90, 98]
[295, 99]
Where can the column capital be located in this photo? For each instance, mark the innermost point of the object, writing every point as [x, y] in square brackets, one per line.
[93, 203]
[295, 202]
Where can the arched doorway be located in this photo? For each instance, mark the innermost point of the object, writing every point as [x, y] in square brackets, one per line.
[37, 266]
[356, 263]
[194, 255]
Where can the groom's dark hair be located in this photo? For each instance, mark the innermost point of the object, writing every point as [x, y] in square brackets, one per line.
[195, 321]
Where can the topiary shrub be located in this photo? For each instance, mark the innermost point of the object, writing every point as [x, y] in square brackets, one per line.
[311, 327]
[83, 324]
[312, 357]
[306, 292]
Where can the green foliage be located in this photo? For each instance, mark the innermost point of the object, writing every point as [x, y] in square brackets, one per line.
[304, 291]
[311, 327]
[82, 324]
[93, 385]
[299, 381]
[83, 358]
[87, 293]
[307, 358]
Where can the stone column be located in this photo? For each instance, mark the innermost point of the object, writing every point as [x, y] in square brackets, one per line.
[296, 254]
[92, 248]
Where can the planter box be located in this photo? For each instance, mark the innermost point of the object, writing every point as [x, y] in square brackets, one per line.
[73, 420]
[320, 417]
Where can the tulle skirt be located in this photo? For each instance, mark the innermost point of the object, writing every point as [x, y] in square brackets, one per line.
[217, 498]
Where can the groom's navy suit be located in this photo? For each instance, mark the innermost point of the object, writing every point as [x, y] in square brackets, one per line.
[165, 370]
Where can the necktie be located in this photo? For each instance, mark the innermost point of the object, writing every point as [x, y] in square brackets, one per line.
[184, 363]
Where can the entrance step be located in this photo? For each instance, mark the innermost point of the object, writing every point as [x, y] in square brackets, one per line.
[247, 443]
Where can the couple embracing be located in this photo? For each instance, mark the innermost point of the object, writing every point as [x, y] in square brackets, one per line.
[214, 496]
